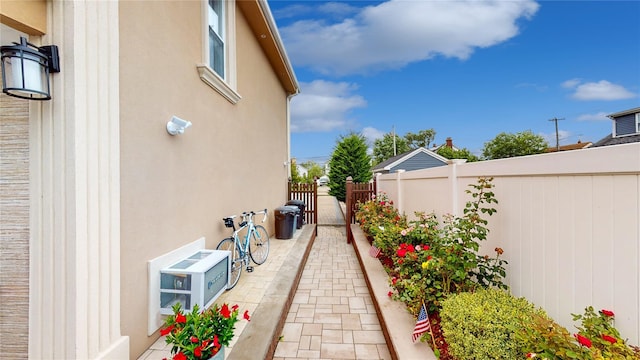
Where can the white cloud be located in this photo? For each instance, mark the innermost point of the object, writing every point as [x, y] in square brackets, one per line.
[601, 116]
[601, 90]
[324, 106]
[570, 84]
[372, 134]
[395, 33]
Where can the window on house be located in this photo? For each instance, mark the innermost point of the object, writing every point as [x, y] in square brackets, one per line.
[638, 122]
[218, 68]
[216, 36]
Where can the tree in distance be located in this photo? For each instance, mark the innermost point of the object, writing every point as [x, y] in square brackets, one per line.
[383, 148]
[450, 153]
[506, 145]
[349, 158]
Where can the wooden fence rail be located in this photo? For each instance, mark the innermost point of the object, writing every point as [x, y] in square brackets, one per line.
[355, 194]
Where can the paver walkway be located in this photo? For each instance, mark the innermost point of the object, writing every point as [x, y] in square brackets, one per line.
[332, 315]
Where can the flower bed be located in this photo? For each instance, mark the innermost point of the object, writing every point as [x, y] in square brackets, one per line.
[428, 261]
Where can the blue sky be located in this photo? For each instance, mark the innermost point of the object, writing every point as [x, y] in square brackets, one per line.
[467, 69]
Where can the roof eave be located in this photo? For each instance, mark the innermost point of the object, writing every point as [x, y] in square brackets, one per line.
[264, 27]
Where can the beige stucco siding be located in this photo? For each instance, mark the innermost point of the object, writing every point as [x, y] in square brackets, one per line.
[176, 189]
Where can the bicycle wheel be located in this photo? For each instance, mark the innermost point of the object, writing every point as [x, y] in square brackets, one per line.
[259, 245]
[236, 261]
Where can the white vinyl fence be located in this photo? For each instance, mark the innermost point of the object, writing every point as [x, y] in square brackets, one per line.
[568, 223]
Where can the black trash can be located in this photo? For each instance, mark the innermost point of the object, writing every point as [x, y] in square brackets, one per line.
[300, 204]
[285, 221]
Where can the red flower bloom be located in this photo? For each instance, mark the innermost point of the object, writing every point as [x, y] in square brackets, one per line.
[606, 312]
[194, 339]
[394, 280]
[610, 339]
[531, 355]
[246, 315]
[216, 343]
[234, 307]
[180, 319]
[197, 351]
[389, 294]
[165, 331]
[180, 356]
[583, 340]
[400, 261]
[401, 252]
[224, 311]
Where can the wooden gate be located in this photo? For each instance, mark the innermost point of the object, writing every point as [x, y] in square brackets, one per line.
[309, 194]
[356, 193]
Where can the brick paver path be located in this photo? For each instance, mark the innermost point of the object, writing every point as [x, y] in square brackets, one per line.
[332, 315]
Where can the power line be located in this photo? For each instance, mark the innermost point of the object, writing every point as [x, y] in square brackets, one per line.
[557, 136]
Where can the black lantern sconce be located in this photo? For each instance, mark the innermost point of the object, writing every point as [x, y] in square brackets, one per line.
[26, 69]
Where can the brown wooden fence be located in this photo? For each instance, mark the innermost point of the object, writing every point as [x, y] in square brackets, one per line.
[356, 193]
[309, 194]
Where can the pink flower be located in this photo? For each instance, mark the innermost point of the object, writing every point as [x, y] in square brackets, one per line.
[583, 340]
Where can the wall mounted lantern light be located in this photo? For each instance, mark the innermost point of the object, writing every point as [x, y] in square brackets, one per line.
[176, 126]
[26, 69]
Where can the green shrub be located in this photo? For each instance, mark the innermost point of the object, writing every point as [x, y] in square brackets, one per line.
[482, 325]
[543, 338]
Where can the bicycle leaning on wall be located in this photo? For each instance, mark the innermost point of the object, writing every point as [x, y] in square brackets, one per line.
[254, 245]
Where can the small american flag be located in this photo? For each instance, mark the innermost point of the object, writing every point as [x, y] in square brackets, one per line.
[423, 325]
[374, 251]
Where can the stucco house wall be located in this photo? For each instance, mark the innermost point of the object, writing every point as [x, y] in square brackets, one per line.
[176, 189]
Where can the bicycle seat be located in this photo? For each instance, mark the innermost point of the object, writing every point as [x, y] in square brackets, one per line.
[228, 222]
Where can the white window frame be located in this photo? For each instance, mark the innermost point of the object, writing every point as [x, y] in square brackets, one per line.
[637, 122]
[226, 86]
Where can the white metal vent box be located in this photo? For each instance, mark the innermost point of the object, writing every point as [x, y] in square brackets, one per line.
[197, 279]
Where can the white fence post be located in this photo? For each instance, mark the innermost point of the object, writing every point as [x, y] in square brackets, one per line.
[399, 205]
[453, 182]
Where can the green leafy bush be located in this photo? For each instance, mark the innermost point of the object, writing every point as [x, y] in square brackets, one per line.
[597, 339]
[431, 262]
[483, 324]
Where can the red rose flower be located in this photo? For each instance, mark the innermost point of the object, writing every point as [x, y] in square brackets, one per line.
[216, 343]
[401, 252]
[607, 312]
[194, 339]
[180, 356]
[610, 339]
[246, 315]
[224, 311]
[180, 319]
[389, 294]
[583, 340]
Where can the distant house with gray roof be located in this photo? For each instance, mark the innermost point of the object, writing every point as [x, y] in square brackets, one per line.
[417, 159]
[625, 128]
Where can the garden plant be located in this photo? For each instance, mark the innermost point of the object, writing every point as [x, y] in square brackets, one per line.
[435, 262]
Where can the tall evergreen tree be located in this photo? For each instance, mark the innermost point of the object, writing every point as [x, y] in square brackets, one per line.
[349, 158]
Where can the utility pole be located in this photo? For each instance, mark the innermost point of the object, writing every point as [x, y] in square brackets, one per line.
[393, 130]
[557, 136]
